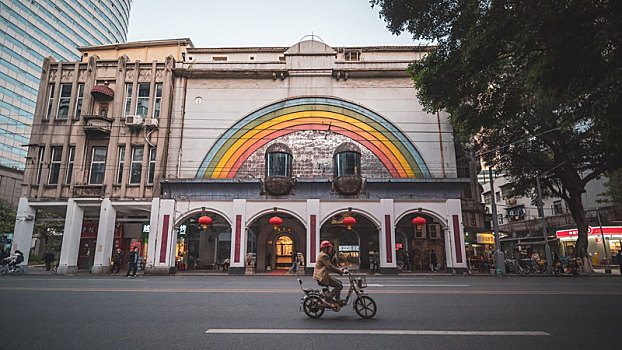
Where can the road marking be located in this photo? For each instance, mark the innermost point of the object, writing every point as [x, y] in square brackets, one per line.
[417, 285]
[274, 291]
[374, 332]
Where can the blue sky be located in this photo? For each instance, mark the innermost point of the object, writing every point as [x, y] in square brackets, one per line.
[261, 22]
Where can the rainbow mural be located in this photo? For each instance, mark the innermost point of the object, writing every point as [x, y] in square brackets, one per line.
[369, 129]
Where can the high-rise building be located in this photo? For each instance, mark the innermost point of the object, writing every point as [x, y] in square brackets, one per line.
[33, 30]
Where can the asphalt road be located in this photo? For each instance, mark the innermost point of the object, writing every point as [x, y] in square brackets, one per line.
[212, 312]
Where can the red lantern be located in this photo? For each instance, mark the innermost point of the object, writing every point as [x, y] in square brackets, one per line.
[349, 221]
[275, 221]
[418, 221]
[204, 221]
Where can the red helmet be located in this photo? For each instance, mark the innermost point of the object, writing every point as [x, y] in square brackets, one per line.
[325, 244]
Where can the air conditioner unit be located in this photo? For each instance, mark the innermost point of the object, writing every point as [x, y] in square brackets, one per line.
[151, 122]
[133, 120]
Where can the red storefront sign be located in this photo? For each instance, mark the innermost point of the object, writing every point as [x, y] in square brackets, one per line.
[591, 231]
[89, 230]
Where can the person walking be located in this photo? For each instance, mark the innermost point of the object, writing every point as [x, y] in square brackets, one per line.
[117, 257]
[619, 260]
[48, 258]
[225, 264]
[133, 263]
[294, 266]
[433, 261]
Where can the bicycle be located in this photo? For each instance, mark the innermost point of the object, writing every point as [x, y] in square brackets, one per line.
[18, 270]
[314, 305]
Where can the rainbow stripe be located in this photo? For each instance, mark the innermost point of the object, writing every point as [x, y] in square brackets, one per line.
[367, 128]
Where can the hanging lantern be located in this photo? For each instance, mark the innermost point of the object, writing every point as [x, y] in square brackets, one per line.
[205, 221]
[418, 221]
[349, 221]
[275, 221]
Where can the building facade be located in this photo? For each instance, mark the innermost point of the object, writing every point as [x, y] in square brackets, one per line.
[33, 30]
[280, 147]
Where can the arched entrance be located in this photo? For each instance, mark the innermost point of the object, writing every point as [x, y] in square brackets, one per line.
[353, 247]
[203, 248]
[418, 248]
[276, 249]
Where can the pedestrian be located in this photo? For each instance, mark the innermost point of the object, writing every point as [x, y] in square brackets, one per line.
[117, 256]
[48, 258]
[433, 261]
[374, 263]
[619, 260]
[132, 263]
[225, 264]
[406, 261]
[294, 266]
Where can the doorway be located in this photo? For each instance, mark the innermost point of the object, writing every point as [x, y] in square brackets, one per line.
[284, 248]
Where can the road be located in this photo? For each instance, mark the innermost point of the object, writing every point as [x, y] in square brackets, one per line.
[223, 312]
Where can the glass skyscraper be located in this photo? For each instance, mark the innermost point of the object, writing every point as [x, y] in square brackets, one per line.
[31, 30]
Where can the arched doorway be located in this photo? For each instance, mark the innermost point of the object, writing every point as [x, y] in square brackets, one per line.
[354, 247]
[276, 248]
[417, 248]
[203, 248]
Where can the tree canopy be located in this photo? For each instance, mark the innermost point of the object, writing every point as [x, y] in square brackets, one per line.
[531, 85]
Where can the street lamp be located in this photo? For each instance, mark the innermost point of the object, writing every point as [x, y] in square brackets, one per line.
[602, 235]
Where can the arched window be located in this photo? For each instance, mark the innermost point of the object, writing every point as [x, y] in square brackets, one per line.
[347, 160]
[278, 161]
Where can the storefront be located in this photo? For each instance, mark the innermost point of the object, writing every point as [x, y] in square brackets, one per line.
[612, 236]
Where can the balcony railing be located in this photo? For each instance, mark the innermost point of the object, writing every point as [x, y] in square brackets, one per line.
[97, 124]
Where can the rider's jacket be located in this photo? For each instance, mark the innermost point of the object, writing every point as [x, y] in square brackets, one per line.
[322, 267]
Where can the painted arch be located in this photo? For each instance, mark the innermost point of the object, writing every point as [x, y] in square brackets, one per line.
[360, 124]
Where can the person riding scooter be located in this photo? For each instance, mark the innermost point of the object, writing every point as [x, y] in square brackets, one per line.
[321, 272]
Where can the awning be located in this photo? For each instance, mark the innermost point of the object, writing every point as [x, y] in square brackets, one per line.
[102, 92]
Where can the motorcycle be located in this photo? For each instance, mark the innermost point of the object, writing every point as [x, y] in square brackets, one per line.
[4, 269]
[313, 302]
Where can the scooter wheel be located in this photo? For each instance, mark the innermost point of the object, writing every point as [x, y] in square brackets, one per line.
[365, 306]
[312, 308]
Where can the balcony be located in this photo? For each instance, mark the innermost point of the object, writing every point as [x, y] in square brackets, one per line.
[97, 124]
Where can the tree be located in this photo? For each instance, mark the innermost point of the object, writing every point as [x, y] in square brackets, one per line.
[531, 85]
[7, 217]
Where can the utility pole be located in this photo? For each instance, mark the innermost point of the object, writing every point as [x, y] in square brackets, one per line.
[602, 235]
[547, 248]
[499, 256]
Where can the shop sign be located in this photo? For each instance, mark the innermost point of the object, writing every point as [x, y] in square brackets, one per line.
[145, 230]
[486, 238]
[609, 231]
[90, 229]
[348, 248]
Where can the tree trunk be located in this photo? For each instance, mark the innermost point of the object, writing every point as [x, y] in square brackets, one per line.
[575, 205]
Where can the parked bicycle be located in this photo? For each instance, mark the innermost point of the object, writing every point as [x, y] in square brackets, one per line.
[313, 303]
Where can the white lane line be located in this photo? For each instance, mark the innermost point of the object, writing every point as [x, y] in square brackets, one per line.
[372, 331]
[88, 280]
[417, 285]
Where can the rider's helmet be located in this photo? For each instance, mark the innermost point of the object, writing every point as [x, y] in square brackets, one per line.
[325, 244]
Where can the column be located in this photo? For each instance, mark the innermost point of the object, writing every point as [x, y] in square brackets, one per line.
[162, 238]
[105, 237]
[68, 262]
[24, 225]
[238, 237]
[386, 237]
[153, 235]
[454, 238]
[313, 234]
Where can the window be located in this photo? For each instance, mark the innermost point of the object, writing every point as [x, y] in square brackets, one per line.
[50, 100]
[55, 158]
[98, 166]
[420, 232]
[40, 164]
[152, 163]
[347, 164]
[78, 111]
[128, 98]
[158, 100]
[434, 231]
[142, 101]
[557, 207]
[63, 101]
[487, 198]
[353, 55]
[278, 164]
[72, 151]
[120, 165]
[516, 214]
[136, 168]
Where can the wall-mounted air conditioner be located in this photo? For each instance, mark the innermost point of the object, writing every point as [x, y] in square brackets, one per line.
[133, 120]
[151, 122]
